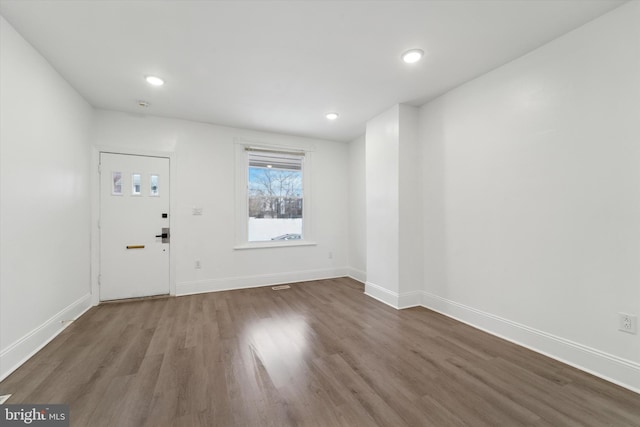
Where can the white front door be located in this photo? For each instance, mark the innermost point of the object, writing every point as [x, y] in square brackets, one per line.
[134, 213]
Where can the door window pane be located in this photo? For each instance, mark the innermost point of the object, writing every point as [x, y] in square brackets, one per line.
[154, 190]
[116, 183]
[136, 184]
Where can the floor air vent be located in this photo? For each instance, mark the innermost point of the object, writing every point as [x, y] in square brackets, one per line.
[281, 287]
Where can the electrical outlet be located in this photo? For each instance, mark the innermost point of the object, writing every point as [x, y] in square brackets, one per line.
[198, 266]
[628, 323]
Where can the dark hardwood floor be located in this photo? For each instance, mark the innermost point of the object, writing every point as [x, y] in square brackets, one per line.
[319, 354]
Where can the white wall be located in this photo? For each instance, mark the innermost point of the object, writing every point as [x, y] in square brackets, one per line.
[382, 156]
[394, 208]
[45, 205]
[532, 197]
[410, 207]
[205, 173]
[357, 259]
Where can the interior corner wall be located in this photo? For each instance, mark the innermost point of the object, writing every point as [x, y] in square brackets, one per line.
[532, 198]
[205, 174]
[382, 206]
[393, 208]
[357, 259]
[410, 208]
[44, 201]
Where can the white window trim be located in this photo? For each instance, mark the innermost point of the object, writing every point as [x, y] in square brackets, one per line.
[241, 197]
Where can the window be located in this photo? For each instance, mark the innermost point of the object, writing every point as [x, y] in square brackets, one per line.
[135, 184]
[275, 196]
[116, 183]
[154, 191]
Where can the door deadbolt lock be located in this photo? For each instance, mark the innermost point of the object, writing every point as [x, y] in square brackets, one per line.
[165, 235]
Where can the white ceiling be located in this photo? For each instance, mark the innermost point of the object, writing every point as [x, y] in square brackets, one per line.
[281, 65]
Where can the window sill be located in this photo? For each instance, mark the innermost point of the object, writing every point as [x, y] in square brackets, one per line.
[267, 245]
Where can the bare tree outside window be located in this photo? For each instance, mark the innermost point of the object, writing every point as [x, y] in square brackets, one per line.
[275, 197]
[275, 193]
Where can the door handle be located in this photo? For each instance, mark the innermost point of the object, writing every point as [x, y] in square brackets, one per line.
[164, 235]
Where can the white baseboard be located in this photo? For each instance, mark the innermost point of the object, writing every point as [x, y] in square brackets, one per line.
[356, 274]
[617, 370]
[410, 299]
[381, 294]
[394, 299]
[243, 282]
[20, 351]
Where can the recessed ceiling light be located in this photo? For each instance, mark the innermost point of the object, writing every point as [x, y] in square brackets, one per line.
[155, 81]
[332, 116]
[412, 55]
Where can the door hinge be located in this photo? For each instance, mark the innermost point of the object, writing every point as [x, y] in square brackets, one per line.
[99, 279]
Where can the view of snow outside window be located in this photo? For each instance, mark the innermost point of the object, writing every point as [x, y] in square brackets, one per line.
[275, 203]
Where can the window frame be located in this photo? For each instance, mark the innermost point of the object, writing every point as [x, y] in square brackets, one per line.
[242, 196]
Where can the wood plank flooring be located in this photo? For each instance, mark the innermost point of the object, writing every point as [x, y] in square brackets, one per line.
[319, 354]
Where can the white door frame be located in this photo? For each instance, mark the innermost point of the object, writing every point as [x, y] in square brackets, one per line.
[95, 211]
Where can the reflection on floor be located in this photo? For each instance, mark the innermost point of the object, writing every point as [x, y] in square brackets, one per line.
[319, 354]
